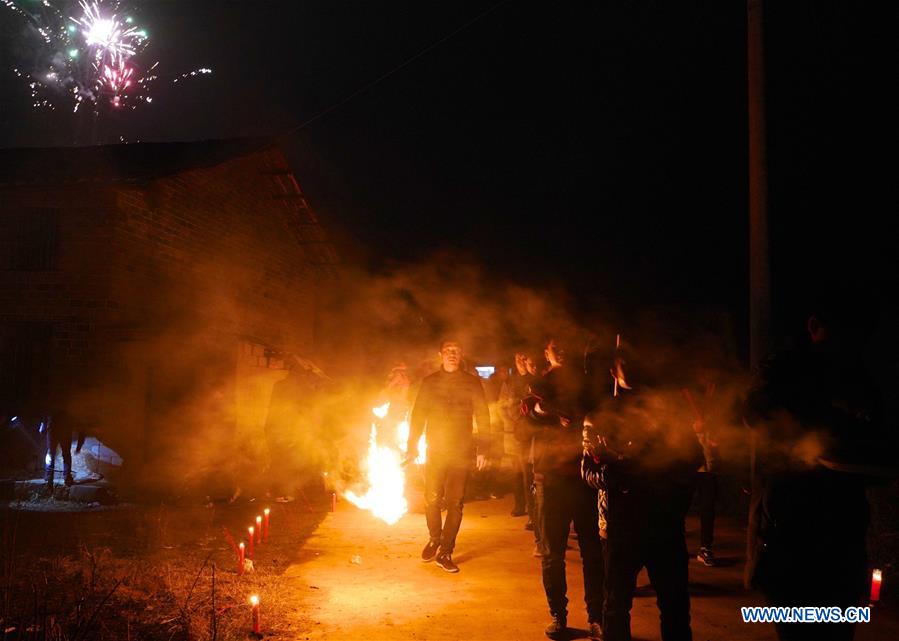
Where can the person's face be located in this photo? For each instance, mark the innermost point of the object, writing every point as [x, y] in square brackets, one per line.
[451, 355]
[520, 364]
[817, 331]
[555, 354]
[530, 365]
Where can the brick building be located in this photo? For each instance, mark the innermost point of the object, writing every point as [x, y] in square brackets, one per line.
[161, 286]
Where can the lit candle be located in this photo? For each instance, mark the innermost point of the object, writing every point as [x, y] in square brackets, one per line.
[254, 601]
[333, 501]
[241, 554]
[265, 523]
[258, 530]
[250, 544]
[876, 579]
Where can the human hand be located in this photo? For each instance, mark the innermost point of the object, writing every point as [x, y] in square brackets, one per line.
[481, 462]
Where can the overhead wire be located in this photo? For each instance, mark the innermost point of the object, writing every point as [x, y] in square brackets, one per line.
[395, 69]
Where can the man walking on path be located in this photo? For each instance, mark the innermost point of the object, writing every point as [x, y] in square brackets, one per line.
[445, 406]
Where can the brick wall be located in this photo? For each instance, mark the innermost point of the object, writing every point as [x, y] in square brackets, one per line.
[157, 284]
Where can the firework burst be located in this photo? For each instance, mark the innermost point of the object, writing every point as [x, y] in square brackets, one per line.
[87, 53]
[108, 36]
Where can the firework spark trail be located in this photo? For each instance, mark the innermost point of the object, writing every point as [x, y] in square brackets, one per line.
[91, 57]
[107, 35]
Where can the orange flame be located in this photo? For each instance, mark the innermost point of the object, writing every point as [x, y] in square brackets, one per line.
[385, 475]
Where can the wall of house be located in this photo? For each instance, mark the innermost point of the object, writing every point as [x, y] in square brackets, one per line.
[155, 293]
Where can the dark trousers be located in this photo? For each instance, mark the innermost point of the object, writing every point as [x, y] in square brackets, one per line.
[707, 488]
[521, 486]
[560, 502]
[63, 439]
[646, 532]
[444, 479]
[817, 571]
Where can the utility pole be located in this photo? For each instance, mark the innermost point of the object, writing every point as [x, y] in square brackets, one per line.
[759, 255]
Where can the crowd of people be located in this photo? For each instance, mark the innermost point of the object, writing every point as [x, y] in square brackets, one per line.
[606, 447]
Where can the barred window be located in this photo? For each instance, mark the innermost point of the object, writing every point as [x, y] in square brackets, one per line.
[28, 239]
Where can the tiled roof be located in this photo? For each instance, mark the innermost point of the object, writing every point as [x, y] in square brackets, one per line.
[134, 162]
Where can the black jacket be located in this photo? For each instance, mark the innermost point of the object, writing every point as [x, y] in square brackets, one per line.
[445, 405]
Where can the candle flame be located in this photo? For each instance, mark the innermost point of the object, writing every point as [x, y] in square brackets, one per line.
[877, 576]
[266, 511]
[254, 600]
[381, 410]
[241, 545]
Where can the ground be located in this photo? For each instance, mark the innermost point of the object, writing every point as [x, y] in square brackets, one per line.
[145, 572]
[370, 584]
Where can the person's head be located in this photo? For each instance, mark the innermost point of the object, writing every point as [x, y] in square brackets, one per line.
[819, 330]
[554, 353]
[841, 317]
[525, 364]
[451, 355]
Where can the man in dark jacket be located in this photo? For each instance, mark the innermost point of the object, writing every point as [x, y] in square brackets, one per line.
[446, 403]
[810, 409]
[644, 458]
[560, 401]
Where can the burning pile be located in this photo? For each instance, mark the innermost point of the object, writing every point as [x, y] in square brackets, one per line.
[385, 473]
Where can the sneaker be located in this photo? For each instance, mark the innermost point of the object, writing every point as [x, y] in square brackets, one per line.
[519, 512]
[594, 631]
[445, 560]
[706, 557]
[430, 551]
[558, 628]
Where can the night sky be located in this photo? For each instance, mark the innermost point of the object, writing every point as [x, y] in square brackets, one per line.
[600, 146]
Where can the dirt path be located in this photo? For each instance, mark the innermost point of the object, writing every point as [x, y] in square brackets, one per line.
[390, 594]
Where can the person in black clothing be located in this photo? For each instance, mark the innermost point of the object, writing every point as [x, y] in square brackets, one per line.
[639, 452]
[446, 403]
[810, 409]
[516, 387]
[699, 400]
[59, 431]
[559, 402]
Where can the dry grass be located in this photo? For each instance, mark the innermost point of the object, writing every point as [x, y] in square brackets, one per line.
[164, 590]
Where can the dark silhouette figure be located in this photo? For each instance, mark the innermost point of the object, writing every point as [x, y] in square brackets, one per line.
[644, 459]
[812, 409]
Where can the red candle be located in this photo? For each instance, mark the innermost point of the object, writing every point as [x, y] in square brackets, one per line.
[265, 524]
[333, 501]
[241, 552]
[254, 601]
[876, 579]
[258, 530]
[250, 545]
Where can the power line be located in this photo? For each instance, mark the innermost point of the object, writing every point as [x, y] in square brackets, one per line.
[395, 69]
